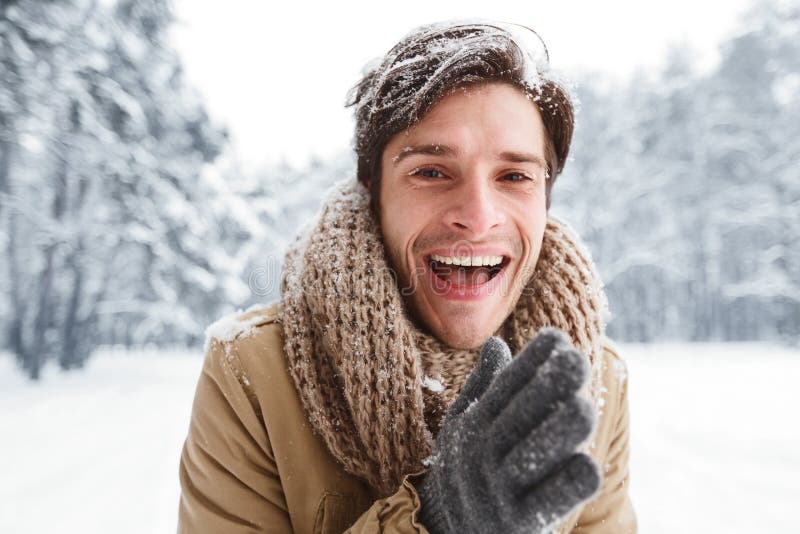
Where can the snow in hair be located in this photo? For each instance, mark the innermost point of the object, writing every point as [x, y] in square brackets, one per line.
[430, 56]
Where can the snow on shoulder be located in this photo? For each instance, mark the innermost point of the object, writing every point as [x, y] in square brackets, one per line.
[241, 323]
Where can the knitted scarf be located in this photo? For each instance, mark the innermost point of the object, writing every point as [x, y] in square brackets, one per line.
[374, 386]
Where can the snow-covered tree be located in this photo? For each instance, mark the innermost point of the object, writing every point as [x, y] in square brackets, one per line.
[113, 228]
[685, 186]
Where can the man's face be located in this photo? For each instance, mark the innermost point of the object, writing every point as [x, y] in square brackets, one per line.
[463, 210]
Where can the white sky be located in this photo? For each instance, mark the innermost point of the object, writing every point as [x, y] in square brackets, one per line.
[276, 73]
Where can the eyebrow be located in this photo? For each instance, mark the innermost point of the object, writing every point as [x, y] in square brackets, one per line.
[436, 149]
[427, 150]
[522, 157]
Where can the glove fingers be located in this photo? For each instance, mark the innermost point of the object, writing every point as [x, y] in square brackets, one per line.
[495, 355]
[557, 495]
[550, 443]
[522, 369]
[558, 379]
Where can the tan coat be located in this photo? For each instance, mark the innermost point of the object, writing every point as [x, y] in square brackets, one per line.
[251, 462]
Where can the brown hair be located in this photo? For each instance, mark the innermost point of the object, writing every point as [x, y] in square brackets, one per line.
[431, 62]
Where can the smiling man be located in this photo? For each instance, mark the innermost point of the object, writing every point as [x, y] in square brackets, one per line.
[380, 394]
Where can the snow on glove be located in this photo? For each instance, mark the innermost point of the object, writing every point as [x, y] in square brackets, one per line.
[505, 457]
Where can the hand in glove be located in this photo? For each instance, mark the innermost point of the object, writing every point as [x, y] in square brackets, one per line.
[505, 457]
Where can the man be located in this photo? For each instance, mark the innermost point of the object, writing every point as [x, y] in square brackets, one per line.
[380, 394]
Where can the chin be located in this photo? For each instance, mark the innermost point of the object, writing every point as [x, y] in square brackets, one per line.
[465, 334]
[467, 341]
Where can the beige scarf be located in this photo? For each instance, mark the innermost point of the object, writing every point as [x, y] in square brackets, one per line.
[367, 377]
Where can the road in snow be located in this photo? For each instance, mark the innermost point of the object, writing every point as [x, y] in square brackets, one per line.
[715, 446]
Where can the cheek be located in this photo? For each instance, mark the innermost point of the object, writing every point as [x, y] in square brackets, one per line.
[399, 230]
[531, 221]
[403, 215]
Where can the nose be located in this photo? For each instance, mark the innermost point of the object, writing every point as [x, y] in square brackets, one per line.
[475, 207]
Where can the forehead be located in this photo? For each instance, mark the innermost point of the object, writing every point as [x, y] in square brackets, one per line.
[494, 115]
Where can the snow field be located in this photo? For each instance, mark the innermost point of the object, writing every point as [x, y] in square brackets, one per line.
[715, 437]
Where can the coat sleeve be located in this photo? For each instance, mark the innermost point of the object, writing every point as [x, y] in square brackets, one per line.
[612, 512]
[228, 474]
[229, 479]
[394, 514]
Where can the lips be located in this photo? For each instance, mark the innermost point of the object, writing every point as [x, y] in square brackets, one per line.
[470, 277]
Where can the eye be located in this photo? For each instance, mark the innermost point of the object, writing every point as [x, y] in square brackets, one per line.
[427, 172]
[516, 177]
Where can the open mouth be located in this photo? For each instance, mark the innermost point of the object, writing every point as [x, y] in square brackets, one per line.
[466, 271]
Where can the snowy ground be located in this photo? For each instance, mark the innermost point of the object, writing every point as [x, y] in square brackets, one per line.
[716, 438]
[715, 447]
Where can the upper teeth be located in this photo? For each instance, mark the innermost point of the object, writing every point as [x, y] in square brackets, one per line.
[468, 261]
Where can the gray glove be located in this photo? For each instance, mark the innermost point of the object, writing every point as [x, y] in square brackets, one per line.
[505, 457]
